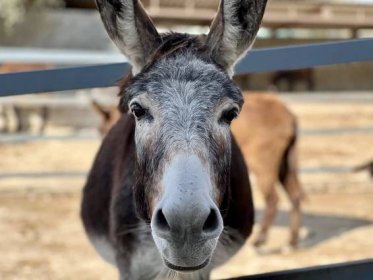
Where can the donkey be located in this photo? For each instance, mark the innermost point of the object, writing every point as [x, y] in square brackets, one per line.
[267, 134]
[169, 194]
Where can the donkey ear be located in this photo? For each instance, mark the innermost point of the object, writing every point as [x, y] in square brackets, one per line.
[131, 29]
[234, 29]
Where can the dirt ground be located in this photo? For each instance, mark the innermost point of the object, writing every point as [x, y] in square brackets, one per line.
[41, 236]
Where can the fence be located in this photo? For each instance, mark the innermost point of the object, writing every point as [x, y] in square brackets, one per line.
[279, 14]
[261, 60]
[362, 270]
[284, 58]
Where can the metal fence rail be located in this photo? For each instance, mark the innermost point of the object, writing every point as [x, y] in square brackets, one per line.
[58, 56]
[362, 270]
[259, 60]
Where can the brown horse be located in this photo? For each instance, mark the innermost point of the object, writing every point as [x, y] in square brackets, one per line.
[168, 194]
[266, 132]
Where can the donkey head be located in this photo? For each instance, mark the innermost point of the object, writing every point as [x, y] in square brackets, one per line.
[183, 99]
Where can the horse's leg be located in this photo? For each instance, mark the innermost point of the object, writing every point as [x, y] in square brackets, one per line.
[44, 119]
[294, 191]
[267, 187]
[310, 80]
[11, 119]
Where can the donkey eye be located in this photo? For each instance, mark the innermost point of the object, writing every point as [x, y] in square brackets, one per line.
[229, 115]
[137, 110]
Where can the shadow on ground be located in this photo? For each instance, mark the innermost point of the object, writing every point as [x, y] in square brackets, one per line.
[320, 227]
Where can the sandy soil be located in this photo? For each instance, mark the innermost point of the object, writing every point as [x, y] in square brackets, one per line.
[42, 237]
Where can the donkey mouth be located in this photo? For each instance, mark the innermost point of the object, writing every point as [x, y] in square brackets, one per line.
[186, 269]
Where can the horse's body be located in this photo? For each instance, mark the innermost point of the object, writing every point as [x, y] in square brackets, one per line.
[267, 134]
[169, 193]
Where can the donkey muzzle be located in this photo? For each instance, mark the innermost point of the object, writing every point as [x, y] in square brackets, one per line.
[186, 223]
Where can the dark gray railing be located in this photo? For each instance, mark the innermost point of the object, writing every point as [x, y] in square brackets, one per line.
[362, 270]
[259, 60]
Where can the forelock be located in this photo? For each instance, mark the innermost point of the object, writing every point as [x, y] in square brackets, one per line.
[185, 69]
[183, 58]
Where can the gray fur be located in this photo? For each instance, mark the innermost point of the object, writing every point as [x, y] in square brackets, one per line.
[234, 30]
[186, 97]
[130, 29]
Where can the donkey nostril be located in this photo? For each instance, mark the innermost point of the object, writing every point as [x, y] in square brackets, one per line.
[212, 222]
[161, 221]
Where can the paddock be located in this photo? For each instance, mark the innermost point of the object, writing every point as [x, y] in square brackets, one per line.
[41, 181]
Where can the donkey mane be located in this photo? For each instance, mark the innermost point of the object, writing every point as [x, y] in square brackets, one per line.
[173, 42]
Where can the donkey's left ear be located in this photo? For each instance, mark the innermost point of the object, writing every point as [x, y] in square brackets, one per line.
[131, 29]
[234, 30]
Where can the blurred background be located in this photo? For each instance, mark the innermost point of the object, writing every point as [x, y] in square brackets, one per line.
[48, 141]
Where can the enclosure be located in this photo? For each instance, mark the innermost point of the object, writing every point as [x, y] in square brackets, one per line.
[42, 174]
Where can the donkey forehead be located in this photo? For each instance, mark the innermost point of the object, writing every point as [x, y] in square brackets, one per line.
[185, 79]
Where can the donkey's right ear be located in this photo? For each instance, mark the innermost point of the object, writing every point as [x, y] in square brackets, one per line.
[131, 29]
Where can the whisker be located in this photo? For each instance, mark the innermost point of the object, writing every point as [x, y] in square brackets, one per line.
[172, 274]
[142, 228]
